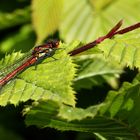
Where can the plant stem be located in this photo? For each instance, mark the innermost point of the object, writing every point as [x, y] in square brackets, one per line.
[110, 34]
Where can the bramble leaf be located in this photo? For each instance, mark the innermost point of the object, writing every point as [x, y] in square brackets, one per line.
[51, 80]
[123, 49]
[94, 70]
[117, 117]
[88, 19]
[46, 17]
[47, 114]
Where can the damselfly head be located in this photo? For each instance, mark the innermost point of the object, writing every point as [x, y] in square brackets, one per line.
[45, 48]
[52, 44]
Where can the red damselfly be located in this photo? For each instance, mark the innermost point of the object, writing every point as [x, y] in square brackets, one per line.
[36, 55]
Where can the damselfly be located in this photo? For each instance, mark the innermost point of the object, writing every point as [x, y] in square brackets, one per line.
[33, 57]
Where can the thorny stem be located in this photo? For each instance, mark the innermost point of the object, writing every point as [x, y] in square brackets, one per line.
[110, 34]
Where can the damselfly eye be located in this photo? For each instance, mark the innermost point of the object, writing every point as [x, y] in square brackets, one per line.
[55, 43]
[52, 44]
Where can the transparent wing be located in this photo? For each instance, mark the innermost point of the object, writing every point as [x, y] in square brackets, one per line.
[17, 62]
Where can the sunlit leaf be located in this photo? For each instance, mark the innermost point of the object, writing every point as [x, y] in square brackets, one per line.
[124, 49]
[46, 17]
[94, 70]
[51, 80]
[86, 20]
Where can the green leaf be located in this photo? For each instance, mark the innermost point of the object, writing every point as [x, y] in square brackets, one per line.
[51, 80]
[19, 16]
[95, 70]
[124, 49]
[69, 113]
[95, 66]
[46, 17]
[100, 4]
[20, 40]
[88, 19]
[100, 137]
[124, 105]
[46, 114]
[118, 117]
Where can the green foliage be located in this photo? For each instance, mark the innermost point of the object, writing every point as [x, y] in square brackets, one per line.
[46, 114]
[20, 39]
[17, 17]
[45, 82]
[117, 117]
[52, 86]
[95, 70]
[123, 48]
[88, 19]
[46, 17]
